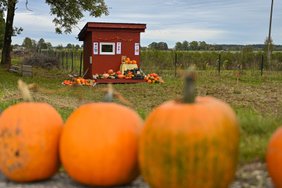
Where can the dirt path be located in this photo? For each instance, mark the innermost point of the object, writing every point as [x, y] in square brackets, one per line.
[248, 176]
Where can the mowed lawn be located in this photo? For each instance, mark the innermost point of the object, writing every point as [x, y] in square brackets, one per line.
[257, 100]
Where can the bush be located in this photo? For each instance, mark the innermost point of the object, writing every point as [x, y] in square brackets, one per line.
[41, 60]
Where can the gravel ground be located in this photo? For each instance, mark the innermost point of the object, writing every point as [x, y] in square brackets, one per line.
[248, 176]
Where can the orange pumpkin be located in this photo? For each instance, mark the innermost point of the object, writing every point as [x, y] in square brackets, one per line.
[110, 71]
[274, 158]
[99, 144]
[120, 76]
[190, 143]
[29, 141]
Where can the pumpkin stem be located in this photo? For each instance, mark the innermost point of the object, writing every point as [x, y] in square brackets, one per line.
[25, 92]
[110, 94]
[189, 94]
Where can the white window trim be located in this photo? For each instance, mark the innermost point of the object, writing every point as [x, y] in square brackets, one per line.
[107, 53]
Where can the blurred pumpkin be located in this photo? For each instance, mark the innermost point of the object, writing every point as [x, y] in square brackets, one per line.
[110, 71]
[29, 141]
[120, 76]
[274, 158]
[105, 75]
[99, 144]
[190, 143]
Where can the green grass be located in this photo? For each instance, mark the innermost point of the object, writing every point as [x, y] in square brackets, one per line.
[256, 100]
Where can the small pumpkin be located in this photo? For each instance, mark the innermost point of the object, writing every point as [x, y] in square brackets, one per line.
[120, 76]
[190, 143]
[274, 157]
[99, 144]
[110, 71]
[105, 75]
[29, 141]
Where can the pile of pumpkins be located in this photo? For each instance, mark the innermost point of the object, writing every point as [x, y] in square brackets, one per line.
[108, 144]
[127, 60]
[79, 81]
[110, 74]
[153, 78]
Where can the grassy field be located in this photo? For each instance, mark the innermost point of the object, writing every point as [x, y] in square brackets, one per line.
[256, 100]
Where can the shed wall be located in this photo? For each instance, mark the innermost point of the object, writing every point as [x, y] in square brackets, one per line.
[128, 39]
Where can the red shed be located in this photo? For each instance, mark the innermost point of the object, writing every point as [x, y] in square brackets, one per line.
[106, 43]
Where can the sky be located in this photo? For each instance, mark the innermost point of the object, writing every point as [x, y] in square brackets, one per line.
[213, 21]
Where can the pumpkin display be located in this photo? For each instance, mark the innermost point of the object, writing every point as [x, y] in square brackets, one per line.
[274, 158]
[29, 141]
[190, 143]
[99, 144]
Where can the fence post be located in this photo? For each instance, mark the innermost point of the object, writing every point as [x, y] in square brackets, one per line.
[71, 61]
[80, 66]
[63, 54]
[175, 63]
[261, 65]
[67, 61]
[219, 63]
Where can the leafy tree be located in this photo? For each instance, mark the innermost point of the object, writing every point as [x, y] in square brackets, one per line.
[194, 45]
[59, 47]
[162, 46]
[77, 47]
[178, 46]
[153, 45]
[2, 28]
[158, 46]
[185, 45]
[29, 44]
[70, 46]
[203, 45]
[67, 14]
[41, 44]
[48, 45]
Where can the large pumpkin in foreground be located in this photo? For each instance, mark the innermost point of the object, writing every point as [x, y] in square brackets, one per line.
[274, 158]
[191, 144]
[99, 144]
[29, 141]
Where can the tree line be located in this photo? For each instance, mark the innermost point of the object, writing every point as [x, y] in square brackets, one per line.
[33, 45]
[203, 46]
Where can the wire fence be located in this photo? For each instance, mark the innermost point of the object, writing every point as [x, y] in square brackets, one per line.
[159, 61]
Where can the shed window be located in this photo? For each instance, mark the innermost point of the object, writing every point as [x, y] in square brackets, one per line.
[107, 48]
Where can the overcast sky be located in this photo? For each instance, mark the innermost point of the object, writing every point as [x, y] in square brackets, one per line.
[213, 21]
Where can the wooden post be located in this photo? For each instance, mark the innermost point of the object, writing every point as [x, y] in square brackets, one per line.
[261, 65]
[175, 63]
[219, 63]
[71, 61]
[62, 54]
[67, 61]
[269, 37]
[80, 66]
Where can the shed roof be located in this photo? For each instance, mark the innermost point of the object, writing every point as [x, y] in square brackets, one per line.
[91, 26]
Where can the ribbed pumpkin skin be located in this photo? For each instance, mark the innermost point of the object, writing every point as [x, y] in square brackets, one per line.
[190, 145]
[99, 144]
[29, 141]
[274, 158]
